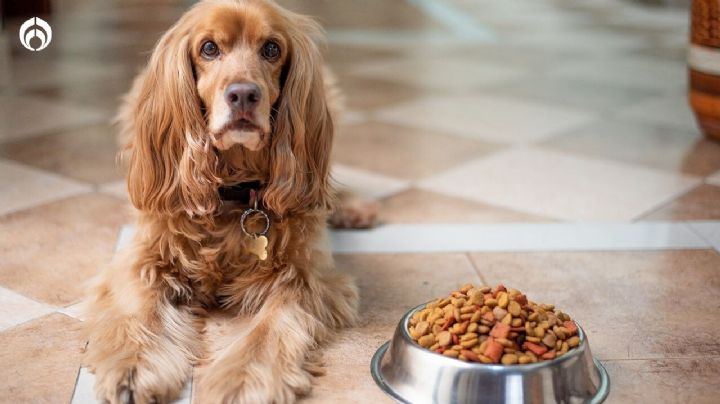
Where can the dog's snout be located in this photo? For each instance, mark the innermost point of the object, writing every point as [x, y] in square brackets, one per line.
[243, 97]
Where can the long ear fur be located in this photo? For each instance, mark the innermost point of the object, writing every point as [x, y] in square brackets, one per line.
[303, 131]
[172, 166]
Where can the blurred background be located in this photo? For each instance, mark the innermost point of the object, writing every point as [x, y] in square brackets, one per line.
[471, 112]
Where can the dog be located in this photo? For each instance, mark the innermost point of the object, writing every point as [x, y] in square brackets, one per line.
[230, 128]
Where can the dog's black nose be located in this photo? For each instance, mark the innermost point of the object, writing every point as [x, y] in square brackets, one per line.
[242, 97]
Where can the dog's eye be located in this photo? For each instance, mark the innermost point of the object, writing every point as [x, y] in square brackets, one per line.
[210, 49]
[271, 50]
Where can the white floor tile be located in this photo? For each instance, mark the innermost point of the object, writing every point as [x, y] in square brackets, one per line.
[559, 41]
[367, 183]
[16, 309]
[714, 179]
[672, 109]
[493, 119]
[22, 187]
[560, 185]
[409, 238]
[116, 188]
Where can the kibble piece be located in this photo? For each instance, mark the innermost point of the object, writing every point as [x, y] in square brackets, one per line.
[509, 359]
[451, 352]
[426, 340]
[573, 341]
[444, 338]
[514, 308]
[503, 300]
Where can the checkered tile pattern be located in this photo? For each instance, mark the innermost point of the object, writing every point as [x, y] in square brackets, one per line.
[457, 112]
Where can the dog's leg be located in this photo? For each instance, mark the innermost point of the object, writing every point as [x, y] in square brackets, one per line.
[141, 345]
[275, 359]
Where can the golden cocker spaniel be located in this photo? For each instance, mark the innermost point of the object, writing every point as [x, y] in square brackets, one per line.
[230, 131]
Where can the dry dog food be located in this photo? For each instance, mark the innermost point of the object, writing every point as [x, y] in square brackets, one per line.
[493, 325]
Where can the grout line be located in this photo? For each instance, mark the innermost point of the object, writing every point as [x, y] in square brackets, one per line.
[477, 270]
[665, 202]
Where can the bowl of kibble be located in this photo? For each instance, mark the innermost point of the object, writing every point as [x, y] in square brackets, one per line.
[489, 345]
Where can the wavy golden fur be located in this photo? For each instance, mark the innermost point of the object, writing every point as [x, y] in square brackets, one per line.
[146, 310]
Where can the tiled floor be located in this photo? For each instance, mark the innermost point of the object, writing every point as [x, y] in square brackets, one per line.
[545, 144]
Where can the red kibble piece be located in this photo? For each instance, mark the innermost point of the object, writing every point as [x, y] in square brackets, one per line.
[549, 355]
[571, 326]
[535, 348]
[493, 350]
[500, 330]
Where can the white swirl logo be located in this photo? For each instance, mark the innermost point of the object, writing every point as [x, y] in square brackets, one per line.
[35, 28]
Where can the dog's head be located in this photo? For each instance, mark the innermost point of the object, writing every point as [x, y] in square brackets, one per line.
[231, 74]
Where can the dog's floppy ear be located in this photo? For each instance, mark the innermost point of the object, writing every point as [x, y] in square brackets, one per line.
[303, 129]
[172, 164]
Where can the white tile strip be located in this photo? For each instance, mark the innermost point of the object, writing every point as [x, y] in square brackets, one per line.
[421, 238]
[85, 394]
[519, 237]
[710, 231]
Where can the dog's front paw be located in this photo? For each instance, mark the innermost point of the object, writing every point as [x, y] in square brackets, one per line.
[138, 385]
[254, 382]
[355, 212]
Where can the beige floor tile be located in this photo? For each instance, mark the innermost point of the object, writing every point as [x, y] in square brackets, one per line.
[366, 183]
[404, 152]
[16, 309]
[26, 116]
[658, 146]
[671, 109]
[87, 154]
[51, 251]
[390, 284]
[449, 75]
[492, 119]
[561, 186]
[664, 381]
[701, 203]
[636, 305]
[40, 360]
[347, 378]
[418, 206]
[370, 93]
[22, 187]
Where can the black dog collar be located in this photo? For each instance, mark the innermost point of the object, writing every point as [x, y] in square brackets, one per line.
[242, 193]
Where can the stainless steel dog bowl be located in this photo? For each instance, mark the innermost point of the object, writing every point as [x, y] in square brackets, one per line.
[412, 374]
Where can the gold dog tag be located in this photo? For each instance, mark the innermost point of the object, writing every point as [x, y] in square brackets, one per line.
[258, 246]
